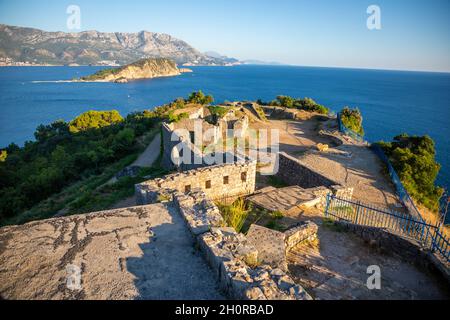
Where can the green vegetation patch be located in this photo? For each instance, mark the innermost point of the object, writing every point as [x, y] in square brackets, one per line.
[413, 158]
[174, 118]
[218, 111]
[199, 97]
[352, 119]
[235, 214]
[94, 120]
[306, 104]
[61, 157]
[102, 74]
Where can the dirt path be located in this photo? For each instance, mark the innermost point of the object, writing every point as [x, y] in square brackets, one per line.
[353, 165]
[151, 153]
[335, 267]
[146, 159]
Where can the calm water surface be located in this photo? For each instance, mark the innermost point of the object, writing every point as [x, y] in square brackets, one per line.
[392, 102]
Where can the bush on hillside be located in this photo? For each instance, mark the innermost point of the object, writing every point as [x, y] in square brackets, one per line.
[94, 120]
[352, 119]
[60, 156]
[200, 98]
[413, 158]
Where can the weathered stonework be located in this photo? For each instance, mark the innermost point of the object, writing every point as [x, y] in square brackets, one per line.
[293, 172]
[301, 232]
[217, 182]
[273, 246]
[270, 244]
[179, 138]
[232, 257]
[198, 211]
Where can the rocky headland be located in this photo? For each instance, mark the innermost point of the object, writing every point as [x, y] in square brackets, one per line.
[142, 69]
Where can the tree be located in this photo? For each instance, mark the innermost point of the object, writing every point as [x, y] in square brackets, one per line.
[200, 98]
[413, 158]
[178, 103]
[94, 120]
[45, 132]
[124, 140]
[352, 119]
[285, 101]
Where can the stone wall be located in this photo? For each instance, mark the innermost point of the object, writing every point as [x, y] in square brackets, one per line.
[273, 246]
[182, 135]
[293, 172]
[219, 181]
[233, 259]
[177, 140]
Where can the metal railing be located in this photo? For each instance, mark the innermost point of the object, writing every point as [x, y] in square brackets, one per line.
[402, 224]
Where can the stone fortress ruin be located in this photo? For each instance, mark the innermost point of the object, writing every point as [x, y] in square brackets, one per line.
[182, 150]
[177, 229]
[247, 267]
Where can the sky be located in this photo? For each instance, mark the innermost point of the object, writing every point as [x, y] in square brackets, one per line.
[414, 34]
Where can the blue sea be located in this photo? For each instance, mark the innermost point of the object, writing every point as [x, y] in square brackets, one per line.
[392, 102]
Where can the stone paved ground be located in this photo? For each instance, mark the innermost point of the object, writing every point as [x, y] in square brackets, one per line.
[335, 268]
[287, 199]
[133, 253]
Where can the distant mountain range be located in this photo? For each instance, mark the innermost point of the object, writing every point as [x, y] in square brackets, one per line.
[20, 45]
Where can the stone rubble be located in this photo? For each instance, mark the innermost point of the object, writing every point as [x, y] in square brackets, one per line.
[232, 257]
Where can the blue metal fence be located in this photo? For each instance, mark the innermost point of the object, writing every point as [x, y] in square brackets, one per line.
[398, 223]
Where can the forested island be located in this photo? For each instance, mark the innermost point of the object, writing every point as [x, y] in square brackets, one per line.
[142, 69]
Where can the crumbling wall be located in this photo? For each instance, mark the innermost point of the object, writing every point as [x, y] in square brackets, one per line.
[219, 181]
[273, 246]
[182, 134]
[233, 259]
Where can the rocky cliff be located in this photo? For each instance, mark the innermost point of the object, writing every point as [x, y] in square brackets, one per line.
[19, 44]
[142, 69]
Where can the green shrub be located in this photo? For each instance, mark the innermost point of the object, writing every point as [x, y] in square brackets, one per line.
[218, 111]
[413, 158]
[277, 215]
[174, 118]
[235, 214]
[306, 104]
[352, 119]
[285, 101]
[200, 98]
[94, 120]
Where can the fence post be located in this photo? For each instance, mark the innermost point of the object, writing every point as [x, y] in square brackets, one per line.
[433, 239]
[328, 204]
[358, 206]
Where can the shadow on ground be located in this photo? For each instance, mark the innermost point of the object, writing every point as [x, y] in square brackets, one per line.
[334, 267]
[171, 267]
